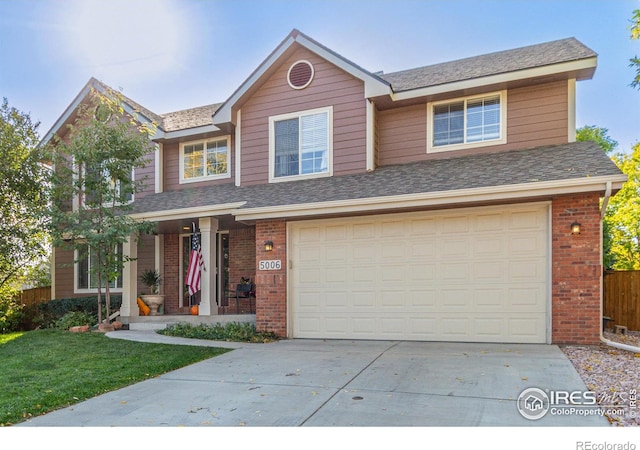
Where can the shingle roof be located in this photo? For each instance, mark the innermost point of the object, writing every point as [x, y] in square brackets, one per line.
[561, 51]
[189, 118]
[519, 167]
[539, 55]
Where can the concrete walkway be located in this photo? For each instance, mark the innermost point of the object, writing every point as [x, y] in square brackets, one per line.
[336, 383]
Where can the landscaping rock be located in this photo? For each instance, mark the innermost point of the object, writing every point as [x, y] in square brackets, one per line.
[105, 327]
[79, 329]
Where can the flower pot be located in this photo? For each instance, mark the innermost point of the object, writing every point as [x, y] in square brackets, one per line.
[153, 301]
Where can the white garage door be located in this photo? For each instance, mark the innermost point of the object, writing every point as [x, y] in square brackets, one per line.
[470, 275]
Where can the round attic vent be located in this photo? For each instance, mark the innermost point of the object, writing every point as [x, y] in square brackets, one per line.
[300, 74]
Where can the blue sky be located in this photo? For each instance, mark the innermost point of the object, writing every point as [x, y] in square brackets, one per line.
[175, 54]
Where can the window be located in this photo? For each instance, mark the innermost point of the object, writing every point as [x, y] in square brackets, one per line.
[467, 122]
[300, 145]
[86, 279]
[93, 178]
[204, 160]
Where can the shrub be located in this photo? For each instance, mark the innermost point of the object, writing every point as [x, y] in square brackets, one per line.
[74, 319]
[10, 314]
[232, 331]
[54, 310]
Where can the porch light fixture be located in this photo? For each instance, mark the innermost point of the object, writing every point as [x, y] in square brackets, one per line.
[268, 246]
[575, 228]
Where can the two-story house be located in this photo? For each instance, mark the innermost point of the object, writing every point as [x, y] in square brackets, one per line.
[442, 203]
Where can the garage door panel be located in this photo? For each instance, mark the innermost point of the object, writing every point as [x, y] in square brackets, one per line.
[479, 274]
[421, 273]
[422, 300]
[454, 225]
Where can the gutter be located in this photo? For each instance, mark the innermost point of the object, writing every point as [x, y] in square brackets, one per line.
[604, 340]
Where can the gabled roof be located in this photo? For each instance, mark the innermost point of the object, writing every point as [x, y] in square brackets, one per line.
[94, 84]
[568, 55]
[167, 124]
[508, 61]
[574, 167]
[373, 85]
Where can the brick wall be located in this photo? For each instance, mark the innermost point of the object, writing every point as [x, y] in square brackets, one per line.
[242, 255]
[576, 270]
[271, 285]
[171, 273]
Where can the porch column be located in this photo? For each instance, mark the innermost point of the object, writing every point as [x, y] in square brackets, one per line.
[208, 229]
[130, 279]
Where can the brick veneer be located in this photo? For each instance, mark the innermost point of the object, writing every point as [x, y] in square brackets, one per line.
[271, 285]
[242, 255]
[576, 270]
[171, 282]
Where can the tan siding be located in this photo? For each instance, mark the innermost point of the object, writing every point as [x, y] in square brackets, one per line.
[171, 167]
[536, 116]
[330, 87]
[64, 275]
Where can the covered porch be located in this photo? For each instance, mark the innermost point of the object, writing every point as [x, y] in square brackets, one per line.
[227, 285]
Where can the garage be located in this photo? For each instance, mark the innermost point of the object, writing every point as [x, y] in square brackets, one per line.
[466, 275]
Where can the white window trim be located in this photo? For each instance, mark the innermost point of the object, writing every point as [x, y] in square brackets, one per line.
[77, 290]
[79, 199]
[219, 176]
[272, 145]
[447, 148]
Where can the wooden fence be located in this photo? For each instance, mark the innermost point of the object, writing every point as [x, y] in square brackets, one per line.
[35, 296]
[622, 298]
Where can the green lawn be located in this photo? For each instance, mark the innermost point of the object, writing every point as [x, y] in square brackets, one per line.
[44, 370]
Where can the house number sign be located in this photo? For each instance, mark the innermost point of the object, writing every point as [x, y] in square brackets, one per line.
[274, 264]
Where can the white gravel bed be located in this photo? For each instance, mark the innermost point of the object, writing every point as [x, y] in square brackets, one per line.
[613, 374]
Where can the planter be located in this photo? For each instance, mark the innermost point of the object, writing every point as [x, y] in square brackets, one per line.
[153, 301]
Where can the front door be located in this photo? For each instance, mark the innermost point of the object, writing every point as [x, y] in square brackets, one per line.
[221, 267]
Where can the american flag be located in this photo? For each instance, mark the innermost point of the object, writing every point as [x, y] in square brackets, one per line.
[196, 264]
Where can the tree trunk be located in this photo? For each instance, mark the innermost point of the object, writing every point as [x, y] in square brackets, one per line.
[107, 301]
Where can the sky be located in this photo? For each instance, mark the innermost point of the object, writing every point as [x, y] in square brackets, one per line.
[170, 55]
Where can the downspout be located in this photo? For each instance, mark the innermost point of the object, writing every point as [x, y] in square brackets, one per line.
[604, 340]
[605, 201]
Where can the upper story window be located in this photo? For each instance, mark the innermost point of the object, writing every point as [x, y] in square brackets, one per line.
[300, 145]
[204, 160]
[102, 187]
[467, 122]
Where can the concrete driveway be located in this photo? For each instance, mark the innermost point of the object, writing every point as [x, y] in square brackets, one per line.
[337, 383]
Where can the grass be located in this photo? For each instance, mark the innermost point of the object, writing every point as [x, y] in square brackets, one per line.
[45, 370]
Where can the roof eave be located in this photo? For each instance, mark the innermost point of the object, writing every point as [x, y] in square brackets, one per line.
[581, 70]
[502, 193]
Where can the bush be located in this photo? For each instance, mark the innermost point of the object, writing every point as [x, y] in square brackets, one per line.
[54, 310]
[232, 331]
[32, 318]
[10, 314]
[74, 319]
